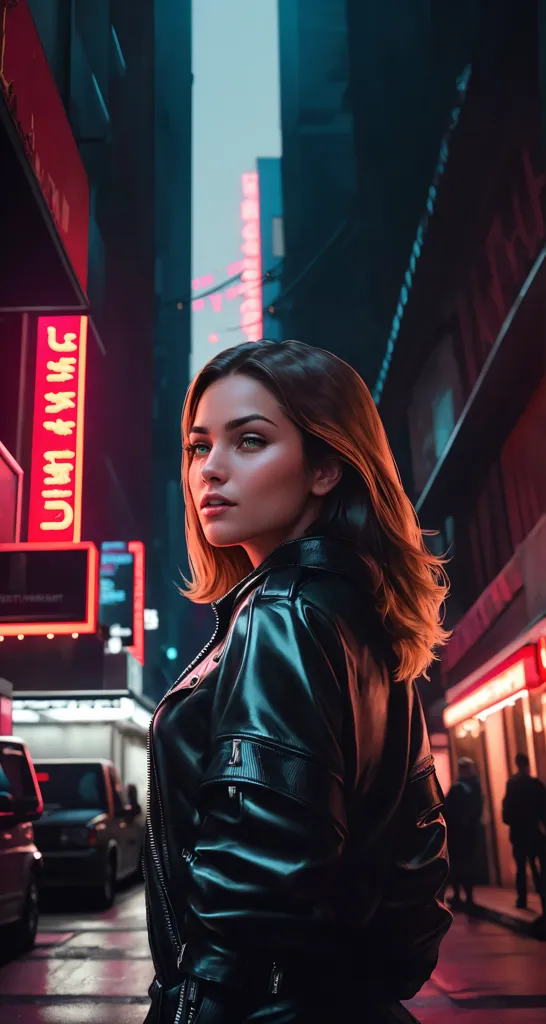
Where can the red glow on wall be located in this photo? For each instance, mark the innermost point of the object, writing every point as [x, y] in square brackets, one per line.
[251, 306]
[5, 716]
[33, 99]
[11, 496]
[136, 548]
[57, 435]
[541, 652]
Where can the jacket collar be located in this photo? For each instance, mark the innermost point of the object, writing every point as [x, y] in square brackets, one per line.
[338, 556]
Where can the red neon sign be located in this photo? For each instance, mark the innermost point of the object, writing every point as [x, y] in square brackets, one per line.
[57, 436]
[251, 306]
[136, 548]
[89, 623]
[541, 652]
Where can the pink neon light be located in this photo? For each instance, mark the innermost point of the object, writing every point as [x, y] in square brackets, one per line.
[213, 338]
[198, 304]
[235, 268]
[251, 265]
[250, 185]
[216, 302]
[235, 292]
[136, 547]
[202, 282]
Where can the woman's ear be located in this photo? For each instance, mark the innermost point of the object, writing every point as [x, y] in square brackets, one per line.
[326, 476]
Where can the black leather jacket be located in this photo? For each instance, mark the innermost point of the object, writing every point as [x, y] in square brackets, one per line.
[295, 846]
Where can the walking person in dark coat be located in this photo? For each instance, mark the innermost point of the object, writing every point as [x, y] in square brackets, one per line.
[463, 812]
[524, 811]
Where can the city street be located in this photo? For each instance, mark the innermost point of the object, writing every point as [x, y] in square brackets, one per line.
[93, 968]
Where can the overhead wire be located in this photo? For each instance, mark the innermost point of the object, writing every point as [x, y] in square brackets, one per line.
[293, 284]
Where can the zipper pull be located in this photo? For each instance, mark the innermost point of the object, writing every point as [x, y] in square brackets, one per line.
[192, 1000]
[180, 955]
[275, 980]
[235, 758]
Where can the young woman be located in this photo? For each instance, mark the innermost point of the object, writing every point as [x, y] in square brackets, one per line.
[296, 851]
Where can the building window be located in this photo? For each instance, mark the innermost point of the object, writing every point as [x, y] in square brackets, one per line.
[436, 404]
[443, 420]
[278, 237]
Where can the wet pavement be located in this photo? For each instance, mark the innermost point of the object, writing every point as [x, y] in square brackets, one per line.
[94, 968]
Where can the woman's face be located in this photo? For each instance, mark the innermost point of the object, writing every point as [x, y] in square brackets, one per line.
[248, 478]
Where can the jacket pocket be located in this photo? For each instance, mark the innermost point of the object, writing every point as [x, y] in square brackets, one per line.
[244, 759]
[423, 795]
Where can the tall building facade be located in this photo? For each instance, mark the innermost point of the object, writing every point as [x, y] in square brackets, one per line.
[170, 647]
[464, 391]
[408, 67]
[367, 92]
[95, 138]
[319, 303]
[271, 242]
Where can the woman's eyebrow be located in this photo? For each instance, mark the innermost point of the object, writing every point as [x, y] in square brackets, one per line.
[234, 424]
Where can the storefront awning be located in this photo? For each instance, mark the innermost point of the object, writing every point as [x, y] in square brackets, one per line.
[515, 676]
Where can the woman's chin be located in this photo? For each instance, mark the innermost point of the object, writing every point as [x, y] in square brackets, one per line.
[220, 535]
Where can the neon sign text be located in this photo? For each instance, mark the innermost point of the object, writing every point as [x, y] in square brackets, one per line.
[57, 437]
[251, 278]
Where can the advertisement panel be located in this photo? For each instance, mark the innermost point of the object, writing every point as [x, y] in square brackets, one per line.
[48, 588]
[31, 94]
[136, 547]
[122, 594]
[116, 599]
[55, 508]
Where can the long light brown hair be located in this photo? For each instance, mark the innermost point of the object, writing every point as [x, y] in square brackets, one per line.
[335, 412]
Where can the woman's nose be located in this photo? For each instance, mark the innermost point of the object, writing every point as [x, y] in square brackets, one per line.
[213, 468]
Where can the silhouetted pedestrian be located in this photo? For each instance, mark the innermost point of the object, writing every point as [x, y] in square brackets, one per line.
[463, 812]
[524, 811]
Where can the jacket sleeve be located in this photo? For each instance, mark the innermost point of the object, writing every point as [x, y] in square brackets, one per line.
[273, 825]
[412, 918]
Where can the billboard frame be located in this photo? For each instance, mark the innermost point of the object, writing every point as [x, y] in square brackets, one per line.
[90, 624]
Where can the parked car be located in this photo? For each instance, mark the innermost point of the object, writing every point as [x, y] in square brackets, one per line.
[90, 834]
[20, 861]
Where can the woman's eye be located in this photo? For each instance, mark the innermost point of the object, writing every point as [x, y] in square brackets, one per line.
[197, 449]
[251, 443]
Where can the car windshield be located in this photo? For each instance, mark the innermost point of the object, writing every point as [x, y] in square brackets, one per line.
[75, 786]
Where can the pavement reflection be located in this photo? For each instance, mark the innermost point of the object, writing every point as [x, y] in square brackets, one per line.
[94, 968]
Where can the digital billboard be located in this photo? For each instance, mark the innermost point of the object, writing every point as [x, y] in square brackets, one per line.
[48, 588]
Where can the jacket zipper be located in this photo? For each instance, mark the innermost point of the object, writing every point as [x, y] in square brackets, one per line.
[160, 877]
[423, 767]
[153, 849]
[179, 947]
[180, 1007]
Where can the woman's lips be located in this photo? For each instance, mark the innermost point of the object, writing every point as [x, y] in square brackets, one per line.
[215, 510]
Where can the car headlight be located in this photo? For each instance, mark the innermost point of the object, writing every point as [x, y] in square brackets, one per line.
[78, 836]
